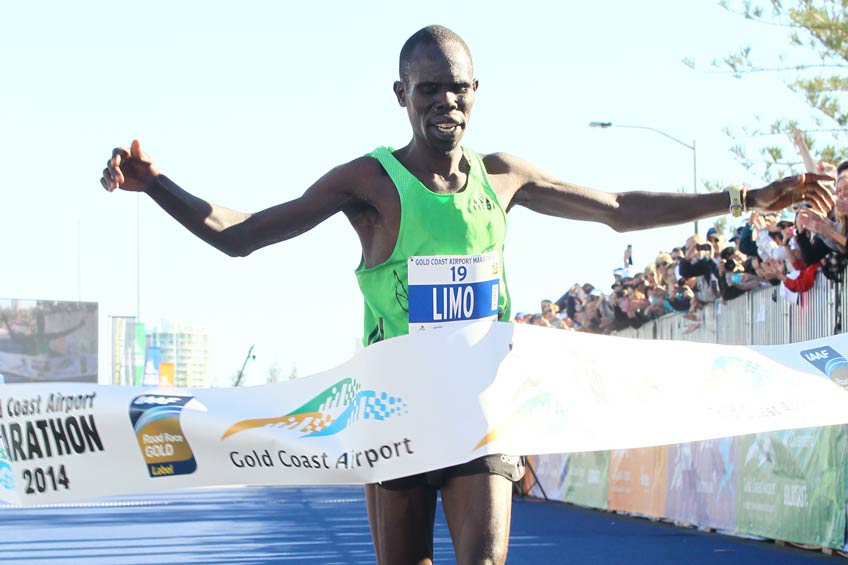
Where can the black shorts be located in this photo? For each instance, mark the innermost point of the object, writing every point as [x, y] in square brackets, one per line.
[509, 466]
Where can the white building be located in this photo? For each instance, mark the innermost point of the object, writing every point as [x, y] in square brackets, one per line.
[187, 348]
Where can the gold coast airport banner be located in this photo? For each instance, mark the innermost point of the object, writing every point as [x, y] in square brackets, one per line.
[407, 405]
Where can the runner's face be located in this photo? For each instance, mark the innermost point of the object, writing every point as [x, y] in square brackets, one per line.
[438, 95]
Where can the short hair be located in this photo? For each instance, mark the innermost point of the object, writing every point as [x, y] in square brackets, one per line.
[431, 35]
[843, 166]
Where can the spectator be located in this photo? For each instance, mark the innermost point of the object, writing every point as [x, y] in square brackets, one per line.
[770, 231]
[781, 249]
[538, 320]
[665, 265]
[717, 240]
[658, 303]
[680, 300]
[573, 299]
[549, 313]
[700, 266]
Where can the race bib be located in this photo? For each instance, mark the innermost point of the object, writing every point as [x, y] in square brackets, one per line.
[452, 289]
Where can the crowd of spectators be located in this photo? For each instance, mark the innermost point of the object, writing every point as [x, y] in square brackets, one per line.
[784, 250]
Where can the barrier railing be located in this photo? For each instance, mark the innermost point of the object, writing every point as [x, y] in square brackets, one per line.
[788, 485]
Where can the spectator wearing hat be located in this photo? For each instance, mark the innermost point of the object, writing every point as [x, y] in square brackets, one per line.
[717, 240]
[734, 239]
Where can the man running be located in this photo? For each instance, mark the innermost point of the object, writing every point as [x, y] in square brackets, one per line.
[433, 198]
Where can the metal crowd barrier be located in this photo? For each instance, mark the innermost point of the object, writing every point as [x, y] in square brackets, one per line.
[759, 317]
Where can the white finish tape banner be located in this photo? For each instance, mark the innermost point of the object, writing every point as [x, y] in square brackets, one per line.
[409, 405]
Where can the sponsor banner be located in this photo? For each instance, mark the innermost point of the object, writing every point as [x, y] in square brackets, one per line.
[578, 478]
[792, 485]
[637, 479]
[403, 406]
[548, 476]
[702, 479]
[587, 479]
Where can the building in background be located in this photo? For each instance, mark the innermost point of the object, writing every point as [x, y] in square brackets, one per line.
[186, 348]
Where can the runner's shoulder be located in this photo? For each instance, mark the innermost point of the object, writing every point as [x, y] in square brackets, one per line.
[501, 163]
[362, 176]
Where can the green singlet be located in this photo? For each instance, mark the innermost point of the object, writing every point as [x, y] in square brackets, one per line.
[469, 222]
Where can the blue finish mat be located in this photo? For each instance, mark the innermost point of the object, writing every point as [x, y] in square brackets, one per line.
[329, 525]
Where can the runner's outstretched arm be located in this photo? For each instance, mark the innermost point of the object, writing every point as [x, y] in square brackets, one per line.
[517, 182]
[233, 232]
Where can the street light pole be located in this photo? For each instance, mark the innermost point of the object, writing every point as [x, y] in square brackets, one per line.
[604, 125]
[247, 358]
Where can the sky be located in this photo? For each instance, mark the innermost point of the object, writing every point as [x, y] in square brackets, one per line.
[246, 104]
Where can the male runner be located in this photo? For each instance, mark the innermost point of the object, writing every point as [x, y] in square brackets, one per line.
[434, 197]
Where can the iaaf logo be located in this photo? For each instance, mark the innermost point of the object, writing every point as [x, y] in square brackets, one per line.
[830, 362]
[331, 411]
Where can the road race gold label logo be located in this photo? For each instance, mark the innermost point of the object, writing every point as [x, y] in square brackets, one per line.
[331, 411]
[156, 420]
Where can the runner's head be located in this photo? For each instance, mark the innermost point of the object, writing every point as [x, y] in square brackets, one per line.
[436, 86]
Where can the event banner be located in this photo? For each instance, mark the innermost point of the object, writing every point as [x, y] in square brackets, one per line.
[545, 477]
[403, 406]
[578, 478]
[587, 479]
[792, 485]
[702, 482]
[637, 479]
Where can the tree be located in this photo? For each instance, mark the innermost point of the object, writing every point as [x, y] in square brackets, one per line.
[814, 67]
[275, 374]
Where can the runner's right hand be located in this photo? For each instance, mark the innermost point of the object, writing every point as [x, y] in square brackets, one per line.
[129, 170]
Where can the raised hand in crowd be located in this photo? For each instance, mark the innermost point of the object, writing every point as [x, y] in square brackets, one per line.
[757, 221]
[812, 166]
[818, 224]
[772, 271]
[628, 256]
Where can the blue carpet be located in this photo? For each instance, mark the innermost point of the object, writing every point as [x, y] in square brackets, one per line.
[328, 525]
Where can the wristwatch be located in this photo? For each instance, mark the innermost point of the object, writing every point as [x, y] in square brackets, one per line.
[736, 206]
